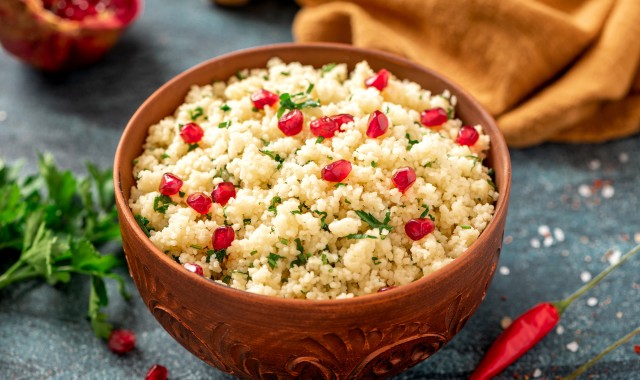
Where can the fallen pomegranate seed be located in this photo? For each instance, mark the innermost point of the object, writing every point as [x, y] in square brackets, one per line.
[324, 126]
[386, 288]
[262, 98]
[195, 268]
[336, 171]
[467, 135]
[157, 372]
[379, 80]
[199, 202]
[223, 192]
[403, 178]
[121, 341]
[342, 118]
[291, 123]
[418, 228]
[433, 117]
[191, 133]
[170, 184]
[636, 348]
[223, 237]
[377, 124]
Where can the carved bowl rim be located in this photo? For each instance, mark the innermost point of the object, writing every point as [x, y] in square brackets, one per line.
[499, 152]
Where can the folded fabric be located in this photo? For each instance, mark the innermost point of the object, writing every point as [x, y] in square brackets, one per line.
[548, 70]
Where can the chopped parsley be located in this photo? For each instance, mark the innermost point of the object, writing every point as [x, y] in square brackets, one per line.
[274, 202]
[324, 259]
[224, 124]
[450, 113]
[194, 246]
[295, 212]
[161, 203]
[328, 67]
[285, 73]
[339, 184]
[225, 107]
[253, 252]
[164, 155]
[284, 241]
[319, 139]
[218, 254]
[411, 142]
[302, 257]
[474, 158]
[181, 194]
[323, 217]
[374, 164]
[375, 260]
[144, 224]
[192, 147]
[428, 164]
[273, 259]
[465, 227]
[196, 113]
[361, 236]
[310, 88]
[287, 103]
[246, 221]
[275, 156]
[375, 223]
[240, 75]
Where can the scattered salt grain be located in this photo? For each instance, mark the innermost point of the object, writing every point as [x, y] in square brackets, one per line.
[505, 322]
[544, 230]
[504, 270]
[594, 164]
[508, 239]
[619, 315]
[592, 301]
[558, 234]
[3, 116]
[535, 243]
[537, 373]
[573, 346]
[548, 241]
[559, 330]
[587, 259]
[613, 257]
[565, 253]
[585, 276]
[623, 157]
[584, 190]
[608, 191]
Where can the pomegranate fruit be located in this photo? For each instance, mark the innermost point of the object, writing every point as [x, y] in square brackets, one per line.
[57, 35]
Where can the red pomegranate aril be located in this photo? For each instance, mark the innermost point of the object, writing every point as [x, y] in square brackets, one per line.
[223, 237]
[336, 171]
[223, 192]
[170, 184]
[121, 341]
[433, 117]
[377, 124]
[324, 127]
[379, 80]
[418, 228]
[157, 372]
[386, 288]
[199, 202]
[263, 98]
[291, 123]
[194, 268]
[403, 178]
[342, 118]
[191, 133]
[467, 135]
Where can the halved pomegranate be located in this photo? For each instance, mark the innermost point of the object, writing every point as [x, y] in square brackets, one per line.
[56, 35]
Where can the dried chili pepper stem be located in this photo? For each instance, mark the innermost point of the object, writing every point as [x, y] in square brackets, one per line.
[528, 329]
[595, 359]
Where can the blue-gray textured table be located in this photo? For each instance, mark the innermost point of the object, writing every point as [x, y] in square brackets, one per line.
[588, 193]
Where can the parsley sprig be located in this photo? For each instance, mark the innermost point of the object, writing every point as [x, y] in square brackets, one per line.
[375, 223]
[287, 103]
[55, 233]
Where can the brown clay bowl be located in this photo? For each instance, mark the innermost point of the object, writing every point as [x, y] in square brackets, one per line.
[261, 337]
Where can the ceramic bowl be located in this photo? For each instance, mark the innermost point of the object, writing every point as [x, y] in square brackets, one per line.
[260, 337]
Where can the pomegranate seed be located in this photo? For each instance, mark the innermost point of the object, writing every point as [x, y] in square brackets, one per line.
[336, 171]
[342, 118]
[223, 192]
[377, 124]
[199, 202]
[223, 237]
[433, 117]
[324, 126]
[195, 268]
[467, 135]
[157, 372]
[170, 184]
[262, 98]
[418, 228]
[636, 349]
[403, 178]
[379, 80]
[121, 341]
[291, 123]
[386, 288]
[191, 133]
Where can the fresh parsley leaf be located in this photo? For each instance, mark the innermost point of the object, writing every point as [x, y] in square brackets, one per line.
[144, 224]
[310, 88]
[324, 259]
[164, 155]
[320, 139]
[360, 236]
[323, 217]
[375, 223]
[340, 184]
[302, 257]
[225, 107]
[275, 201]
[375, 260]
[273, 258]
[465, 227]
[287, 103]
[193, 147]
[161, 203]
[411, 142]
[276, 157]
[450, 113]
[194, 114]
[224, 124]
[328, 67]
[374, 164]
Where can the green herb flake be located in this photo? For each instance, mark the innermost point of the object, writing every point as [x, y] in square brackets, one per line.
[302, 257]
[296, 212]
[284, 241]
[328, 67]
[273, 258]
[194, 246]
[310, 88]
[275, 201]
[246, 221]
[374, 164]
[224, 124]
[319, 140]
[181, 194]
[193, 147]
[220, 254]
[164, 155]
[375, 260]
[426, 210]
[225, 107]
[360, 236]
[323, 217]
[240, 75]
[144, 224]
[276, 157]
[340, 184]
[285, 73]
[375, 223]
[287, 103]
[196, 113]
[450, 113]
[161, 203]
[253, 252]
[324, 259]
[411, 142]
[428, 164]
[226, 279]
[254, 109]
[465, 227]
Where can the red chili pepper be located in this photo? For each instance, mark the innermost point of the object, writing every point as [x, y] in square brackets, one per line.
[529, 328]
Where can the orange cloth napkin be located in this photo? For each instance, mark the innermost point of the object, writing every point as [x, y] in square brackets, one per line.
[560, 70]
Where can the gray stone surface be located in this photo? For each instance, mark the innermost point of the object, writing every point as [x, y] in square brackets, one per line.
[80, 116]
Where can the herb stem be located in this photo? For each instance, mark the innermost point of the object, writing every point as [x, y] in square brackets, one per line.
[17, 273]
[595, 359]
[563, 304]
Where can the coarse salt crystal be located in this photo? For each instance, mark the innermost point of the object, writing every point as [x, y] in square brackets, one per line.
[614, 257]
[559, 330]
[594, 164]
[619, 315]
[508, 239]
[3, 116]
[584, 190]
[585, 276]
[535, 243]
[544, 230]
[504, 270]
[559, 234]
[587, 259]
[548, 241]
[608, 191]
[623, 157]
[537, 373]
[573, 346]
[565, 253]
[505, 322]
[592, 301]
